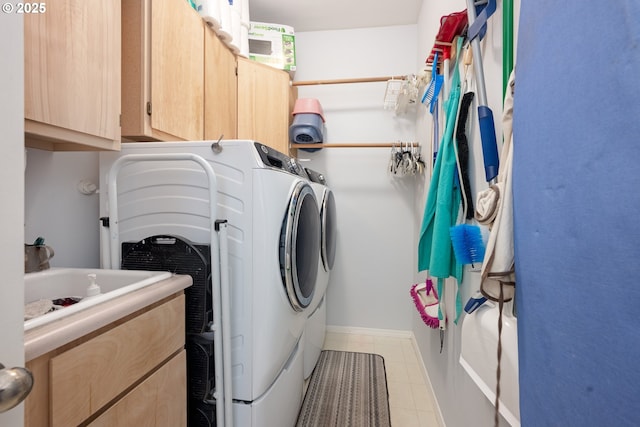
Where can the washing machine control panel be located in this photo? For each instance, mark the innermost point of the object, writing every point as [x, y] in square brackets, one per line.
[315, 176]
[276, 159]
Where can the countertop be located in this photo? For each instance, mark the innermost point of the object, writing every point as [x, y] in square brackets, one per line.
[41, 340]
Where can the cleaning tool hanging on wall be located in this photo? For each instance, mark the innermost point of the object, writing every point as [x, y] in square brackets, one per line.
[463, 153]
[461, 134]
[507, 43]
[466, 239]
[485, 115]
[468, 245]
[425, 298]
[430, 96]
[435, 251]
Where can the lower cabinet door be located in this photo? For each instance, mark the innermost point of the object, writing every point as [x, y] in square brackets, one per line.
[159, 401]
[87, 377]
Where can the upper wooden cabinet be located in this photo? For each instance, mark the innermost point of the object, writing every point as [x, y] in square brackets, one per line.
[97, 72]
[220, 89]
[180, 81]
[72, 75]
[162, 71]
[264, 100]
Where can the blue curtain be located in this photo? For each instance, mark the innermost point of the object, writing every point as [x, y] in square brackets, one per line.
[576, 188]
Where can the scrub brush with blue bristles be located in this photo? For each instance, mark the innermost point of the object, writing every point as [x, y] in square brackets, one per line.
[468, 245]
[466, 239]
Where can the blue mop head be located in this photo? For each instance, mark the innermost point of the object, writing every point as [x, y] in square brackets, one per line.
[467, 243]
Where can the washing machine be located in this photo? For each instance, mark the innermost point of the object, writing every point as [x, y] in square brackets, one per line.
[274, 241]
[316, 323]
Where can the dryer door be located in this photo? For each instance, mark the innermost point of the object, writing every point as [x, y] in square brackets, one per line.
[328, 216]
[300, 246]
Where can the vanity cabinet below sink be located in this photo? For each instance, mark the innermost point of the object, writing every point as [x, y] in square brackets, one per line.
[130, 371]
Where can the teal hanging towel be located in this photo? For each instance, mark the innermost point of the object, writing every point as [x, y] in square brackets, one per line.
[435, 250]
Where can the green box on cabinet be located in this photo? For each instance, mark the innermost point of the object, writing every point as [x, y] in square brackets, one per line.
[273, 44]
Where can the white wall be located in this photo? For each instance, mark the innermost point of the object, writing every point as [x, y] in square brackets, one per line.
[374, 267]
[57, 211]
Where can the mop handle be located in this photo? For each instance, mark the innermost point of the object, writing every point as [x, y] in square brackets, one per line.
[485, 115]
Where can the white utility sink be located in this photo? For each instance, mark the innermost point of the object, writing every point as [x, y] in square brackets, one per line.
[57, 283]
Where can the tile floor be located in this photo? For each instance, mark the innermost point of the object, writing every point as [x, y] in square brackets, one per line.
[410, 398]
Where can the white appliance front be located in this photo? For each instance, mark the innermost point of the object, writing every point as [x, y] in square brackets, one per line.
[171, 198]
[280, 405]
[315, 326]
[328, 228]
[322, 278]
[315, 330]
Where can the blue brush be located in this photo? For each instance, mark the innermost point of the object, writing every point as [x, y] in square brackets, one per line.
[467, 242]
[430, 96]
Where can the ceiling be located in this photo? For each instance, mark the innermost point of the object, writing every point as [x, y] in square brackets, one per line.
[314, 15]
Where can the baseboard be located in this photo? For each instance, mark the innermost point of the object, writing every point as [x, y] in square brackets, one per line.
[425, 374]
[370, 331]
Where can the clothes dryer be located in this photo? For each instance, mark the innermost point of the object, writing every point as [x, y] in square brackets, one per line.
[274, 241]
[316, 324]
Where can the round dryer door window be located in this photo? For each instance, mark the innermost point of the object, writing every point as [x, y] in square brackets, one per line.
[328, 215]
[300, 246]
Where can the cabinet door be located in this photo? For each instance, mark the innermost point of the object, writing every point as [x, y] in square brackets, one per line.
[87, 377]
[159, 401]
[162, 71]
[220, 89]
[177, 69]
[263, 104]
[72, 75]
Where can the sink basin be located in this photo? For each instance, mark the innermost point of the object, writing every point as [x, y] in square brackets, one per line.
[73, 282]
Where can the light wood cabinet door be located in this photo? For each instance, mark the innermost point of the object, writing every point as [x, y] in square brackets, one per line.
[159, 401]
[263, 104]
[85, 378]
[220, 89]
[72, 75]
[162, 71]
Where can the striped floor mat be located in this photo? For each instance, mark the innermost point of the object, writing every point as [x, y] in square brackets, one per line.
[346, 389]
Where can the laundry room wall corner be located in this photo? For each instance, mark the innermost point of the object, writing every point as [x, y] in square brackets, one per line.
[374, 253]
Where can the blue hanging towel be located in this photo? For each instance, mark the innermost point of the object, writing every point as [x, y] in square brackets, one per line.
[435, 251]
